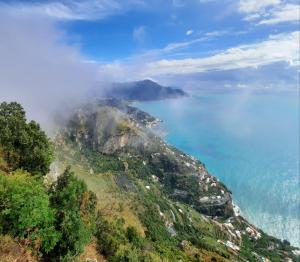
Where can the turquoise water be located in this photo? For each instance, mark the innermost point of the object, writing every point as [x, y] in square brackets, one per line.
[250, 142]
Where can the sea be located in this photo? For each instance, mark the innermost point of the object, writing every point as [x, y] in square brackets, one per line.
[250, 141]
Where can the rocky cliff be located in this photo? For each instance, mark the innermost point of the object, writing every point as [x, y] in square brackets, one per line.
[171, 196]
[108, 130]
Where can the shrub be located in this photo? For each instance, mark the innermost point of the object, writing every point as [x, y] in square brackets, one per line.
[75, 215]
[25, 211]
[110, 236]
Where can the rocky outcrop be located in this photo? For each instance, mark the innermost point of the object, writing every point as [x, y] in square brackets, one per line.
[108, 129]
[148, 169]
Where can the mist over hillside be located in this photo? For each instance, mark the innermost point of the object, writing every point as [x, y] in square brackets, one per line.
[86, 174]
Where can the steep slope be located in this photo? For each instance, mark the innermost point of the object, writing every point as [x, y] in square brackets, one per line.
[107, 130]
[177, 207]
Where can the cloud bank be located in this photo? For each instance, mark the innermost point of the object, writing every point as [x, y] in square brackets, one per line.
[42, 72]
[278, 48]
[270, 12]
[39, 70]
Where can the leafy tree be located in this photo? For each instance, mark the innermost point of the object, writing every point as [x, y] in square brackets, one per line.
[75, 215]
[23, 145]
[25, 211]
[110, 236]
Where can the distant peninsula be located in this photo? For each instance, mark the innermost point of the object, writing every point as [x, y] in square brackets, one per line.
[144, 90]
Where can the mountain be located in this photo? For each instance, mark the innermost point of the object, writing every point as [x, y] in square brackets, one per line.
[144, 90]
[171, 199]
[115, 192]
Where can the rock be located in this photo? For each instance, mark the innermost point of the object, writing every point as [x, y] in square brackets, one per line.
[110, 130]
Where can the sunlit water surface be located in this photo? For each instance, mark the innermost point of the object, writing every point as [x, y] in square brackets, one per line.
[250, 142]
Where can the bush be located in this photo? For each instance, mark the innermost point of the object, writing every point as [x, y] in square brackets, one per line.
[75, 215]
[110, 236]
[25, 211]
[133, 236]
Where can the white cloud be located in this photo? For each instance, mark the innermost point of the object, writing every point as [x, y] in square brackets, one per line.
[250, 6]
[189, 32]
[72, 10]
[176, 46]
[40, 71]
[278, 48]
[286, 13]
[139, 34]
[267, 12]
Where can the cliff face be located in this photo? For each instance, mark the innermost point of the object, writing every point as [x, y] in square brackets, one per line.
[161, 185]
[110, 131]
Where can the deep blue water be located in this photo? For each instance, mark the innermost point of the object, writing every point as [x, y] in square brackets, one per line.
[250, 142]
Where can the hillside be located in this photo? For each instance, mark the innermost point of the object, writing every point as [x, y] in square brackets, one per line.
[115, 192]
[167, 195]
[144, 90]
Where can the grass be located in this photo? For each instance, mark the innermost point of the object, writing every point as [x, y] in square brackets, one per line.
[112, 202]
[140, 207]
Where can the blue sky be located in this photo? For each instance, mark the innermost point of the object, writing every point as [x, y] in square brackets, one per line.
[215, 26]
[169, 39]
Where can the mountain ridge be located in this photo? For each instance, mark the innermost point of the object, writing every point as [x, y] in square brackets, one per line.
[116, 192]
[143, 156]
[143, 90]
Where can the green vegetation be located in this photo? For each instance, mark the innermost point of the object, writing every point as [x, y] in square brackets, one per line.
[75, 215]
[23, 145]
[103, 163]
[138, 218]
[122, 128]
[25, 211]
[55, 223]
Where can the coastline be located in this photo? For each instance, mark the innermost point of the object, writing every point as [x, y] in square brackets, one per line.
[173, 124]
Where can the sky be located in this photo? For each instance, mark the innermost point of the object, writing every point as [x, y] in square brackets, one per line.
[193, 43]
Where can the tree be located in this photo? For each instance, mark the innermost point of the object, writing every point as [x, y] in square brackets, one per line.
[25, 211]
[75, 215]
[110, 236]
[23, 145]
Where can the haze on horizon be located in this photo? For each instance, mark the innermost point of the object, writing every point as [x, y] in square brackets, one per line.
[54, 52]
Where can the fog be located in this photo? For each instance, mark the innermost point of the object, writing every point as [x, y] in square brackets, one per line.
[40, 71]
[48, 76]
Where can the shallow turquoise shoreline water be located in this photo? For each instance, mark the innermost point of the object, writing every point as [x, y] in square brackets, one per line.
[249, 141]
